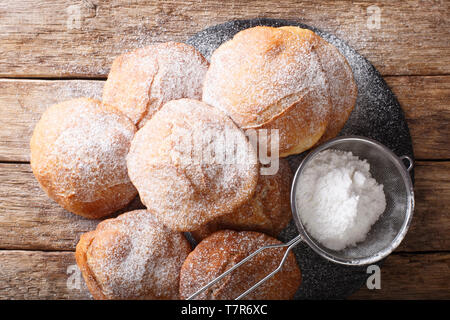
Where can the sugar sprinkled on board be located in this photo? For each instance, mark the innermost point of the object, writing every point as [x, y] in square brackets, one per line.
[338, 199]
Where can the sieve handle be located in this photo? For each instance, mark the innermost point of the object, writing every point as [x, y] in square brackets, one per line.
[290, 245]
[410, 161]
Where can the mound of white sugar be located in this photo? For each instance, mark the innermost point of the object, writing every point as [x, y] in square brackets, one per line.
[338, 200]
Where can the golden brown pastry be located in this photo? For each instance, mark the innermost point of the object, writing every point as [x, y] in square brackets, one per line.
[342, 86]
[265, 78]
[132, 257]
[268, 211]
[223, 249]
[169, 165]
[141, 81]
[78, 151]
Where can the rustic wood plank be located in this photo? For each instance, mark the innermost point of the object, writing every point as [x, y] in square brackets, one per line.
[412, 276]
[79, 39]
[23, 101]
[30, 220]
[40, 275]
[426, 103]
[54, 275]
[425, 100]
[430, 227]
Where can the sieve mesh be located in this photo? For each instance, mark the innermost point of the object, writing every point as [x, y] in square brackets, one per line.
[387, 233]
[384, 236]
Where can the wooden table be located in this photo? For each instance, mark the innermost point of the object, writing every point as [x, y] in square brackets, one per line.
[55, 50]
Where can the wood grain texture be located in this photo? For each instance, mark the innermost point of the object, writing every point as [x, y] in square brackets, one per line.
[430, 227]
[412, 276]
[23, 101]
[30, 220]
[425, 100]
[80, 38]
[40, 275]
[426, 103]
[54, 275]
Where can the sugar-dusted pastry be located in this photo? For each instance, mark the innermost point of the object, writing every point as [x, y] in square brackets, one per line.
[141, 81]
[268, 211]
[223, 249]
[342, 86]
[265, 78]
[169, 165]
[78, 151]
[132, 257]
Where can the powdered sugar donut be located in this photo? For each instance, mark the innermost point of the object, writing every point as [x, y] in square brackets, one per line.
[141, 81]
[78, 151]
[342, 86]
[223, 249]
[268, 211]
[173, 164]
[265, 78]
[132, 257]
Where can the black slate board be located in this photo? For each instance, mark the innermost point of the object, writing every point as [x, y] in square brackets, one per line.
[377, 115]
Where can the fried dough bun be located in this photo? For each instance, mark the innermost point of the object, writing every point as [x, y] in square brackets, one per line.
[266, 78]
[342, 86]
[268, 211]
[169, 165]
[222, 250]
[132, 257]
[78, 156]
[141, 81]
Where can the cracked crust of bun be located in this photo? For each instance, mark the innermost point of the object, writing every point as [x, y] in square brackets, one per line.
[223, 249]
[132, 257]
[78, 156]
[265, 78]
[141, 81]
[341, 83]
[268, 211]
[182, 190]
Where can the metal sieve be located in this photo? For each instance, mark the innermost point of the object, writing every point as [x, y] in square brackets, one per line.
[384, 236]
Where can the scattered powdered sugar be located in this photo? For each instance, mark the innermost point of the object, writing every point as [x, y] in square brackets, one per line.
[338, 200]
[78, 89]
[135, 257]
